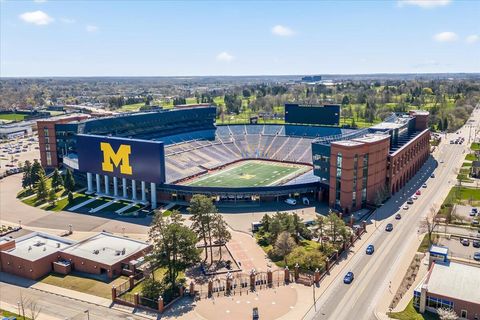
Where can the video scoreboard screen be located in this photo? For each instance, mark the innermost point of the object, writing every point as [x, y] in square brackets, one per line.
[328, 114]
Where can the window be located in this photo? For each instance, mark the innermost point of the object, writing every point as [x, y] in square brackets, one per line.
[463, 314]
[47, 147]
[45, 132]
[49, 159]
[338, 184]
[364, 179]
[47, 140]
[436, 303]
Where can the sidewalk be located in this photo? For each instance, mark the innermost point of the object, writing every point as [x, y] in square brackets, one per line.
[422, 271]
[77, 295]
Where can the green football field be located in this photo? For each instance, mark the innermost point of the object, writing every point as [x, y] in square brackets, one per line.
[249, 174]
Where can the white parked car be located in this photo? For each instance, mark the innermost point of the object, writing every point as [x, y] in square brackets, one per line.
[291, 201]
[405, 207]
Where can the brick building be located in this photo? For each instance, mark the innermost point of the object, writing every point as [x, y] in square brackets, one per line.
[450, 285]
[37, 254]
[366, 169]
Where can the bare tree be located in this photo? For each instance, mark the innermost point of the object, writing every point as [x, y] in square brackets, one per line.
[447, 314]
[429, 223]
[28, 306]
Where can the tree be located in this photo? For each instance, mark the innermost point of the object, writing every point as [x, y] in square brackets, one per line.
[447, 314]
[69, 181]
[306, 259]
[203, 213]
[70, 197]
[345, 100]
[334, 223]
[27, 175]
[36, 172]
[220, 232]
[52, 197]
[174, 245]
[429, 224]
[152, 289]
[57, 180]
[42, 190]
[266, 222]
[284, 245]
[320, 231]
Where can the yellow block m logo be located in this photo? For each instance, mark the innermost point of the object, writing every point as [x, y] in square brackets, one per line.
[112, 158]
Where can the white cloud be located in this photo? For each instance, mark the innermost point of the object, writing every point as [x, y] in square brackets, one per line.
[473, 38]
[39, 18]
[282, 31]
[446, 36]
[68, 20]
[225, 56]
[424, 3]
[91, 28]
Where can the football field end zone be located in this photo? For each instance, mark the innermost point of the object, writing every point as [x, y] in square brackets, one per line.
[244, 174]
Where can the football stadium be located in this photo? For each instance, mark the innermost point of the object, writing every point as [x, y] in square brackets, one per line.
[169, 155]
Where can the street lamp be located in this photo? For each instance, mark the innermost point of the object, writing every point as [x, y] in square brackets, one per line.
[70, 228]
[20, 223]
[88, 314]
[18, 305]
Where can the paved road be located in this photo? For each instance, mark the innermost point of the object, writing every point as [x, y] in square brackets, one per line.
[57, 307]
[374, 273]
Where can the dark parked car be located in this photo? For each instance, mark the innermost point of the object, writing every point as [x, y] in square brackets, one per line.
[370, 249]
[398, 216]
[476, 256]
[476, 243]
[389, 227]
[348, 278]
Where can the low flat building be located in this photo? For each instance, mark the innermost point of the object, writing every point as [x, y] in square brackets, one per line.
[31, 256]
[37, 254]
[105, 254]
[450, 285]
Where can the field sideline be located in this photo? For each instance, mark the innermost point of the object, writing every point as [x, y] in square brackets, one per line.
[251, 173]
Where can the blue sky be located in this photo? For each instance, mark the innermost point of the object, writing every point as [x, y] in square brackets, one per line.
[140, 38]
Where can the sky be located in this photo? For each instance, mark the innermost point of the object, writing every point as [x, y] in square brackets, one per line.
[199, 38]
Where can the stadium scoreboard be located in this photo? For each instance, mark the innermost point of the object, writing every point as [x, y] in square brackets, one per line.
[328, 114]
[142, 160]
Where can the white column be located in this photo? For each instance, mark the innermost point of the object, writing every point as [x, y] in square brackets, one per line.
[144, 194]
[124, 185]
[115, 186]
[107, 187]
[90, 182]
[97, 179]
[153, 195]
[134, 190]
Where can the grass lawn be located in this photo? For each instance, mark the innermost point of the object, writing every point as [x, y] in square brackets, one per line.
[425, 245]
[25, 193]
[249, 174]
[467, 164]
[96, 203]
[463, 193]
[114, 207]
[475, 146]
[410, 313]
[470, 157]
[64, 205]
[131, 107]
[12, 116]
[159, 274]
[5, 313]
[82, 284]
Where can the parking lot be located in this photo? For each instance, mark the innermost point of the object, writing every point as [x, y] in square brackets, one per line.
[458, 250]
[463, 212]
[17, 151]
